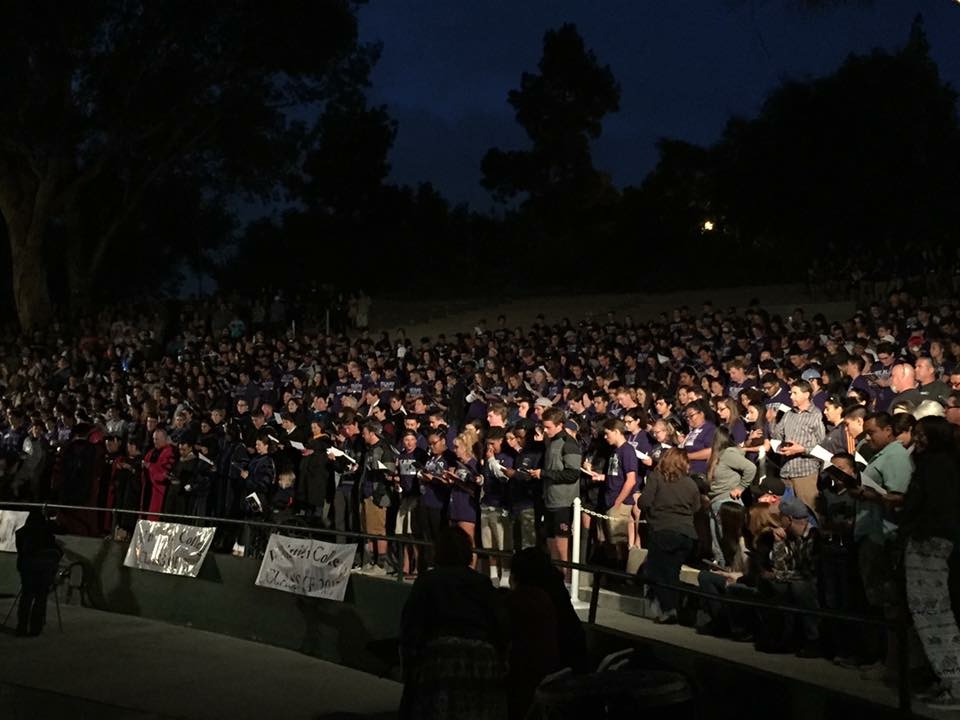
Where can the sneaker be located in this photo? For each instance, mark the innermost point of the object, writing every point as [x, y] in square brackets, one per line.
[944, 701]
[376, 570]
[850, 662]
[809, 650]
[669, 618]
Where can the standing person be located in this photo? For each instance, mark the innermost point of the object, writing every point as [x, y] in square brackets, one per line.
[931, 524]
[728, 413]
[346, 505]
[620, 482]
[875, 532]
[434, 492]
[496, 524]
[465, 482]
[560, 475]
[378, 460]
[157, 463]
[800, 431]
[526, 493]
[258, 479]
[410, 462]
[669, 501]
[313, 485]
[38, 555]
[729, 473]
[699, 440]
[453, 639]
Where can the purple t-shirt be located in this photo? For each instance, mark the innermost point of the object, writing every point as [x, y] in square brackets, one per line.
[435, 494]
[464, 506]
[700, 438]
[642, 442]
[495, 488]
[409, 465]
[622, 462]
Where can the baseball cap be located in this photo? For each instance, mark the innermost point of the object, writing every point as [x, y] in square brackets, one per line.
[794, 508]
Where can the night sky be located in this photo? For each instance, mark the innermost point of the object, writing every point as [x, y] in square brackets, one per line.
[684, 67]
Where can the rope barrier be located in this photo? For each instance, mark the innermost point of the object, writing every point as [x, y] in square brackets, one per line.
[601, 516]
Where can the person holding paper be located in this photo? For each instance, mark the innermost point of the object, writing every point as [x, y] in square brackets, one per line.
[799, 431]
[620, 480]
[698, 441]
[375, 494]
[434, 492]
[465, 483]
[410, 462]
[346, 504]
[315, 472]
[883, 484]
[258, 479]
[560, 475]
[496, 522]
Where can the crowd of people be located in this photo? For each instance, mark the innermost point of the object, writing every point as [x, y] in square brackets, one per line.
[791, 459]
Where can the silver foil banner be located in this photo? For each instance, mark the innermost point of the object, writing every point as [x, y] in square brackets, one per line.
[303, 566]
[10, 522]
[169, 548]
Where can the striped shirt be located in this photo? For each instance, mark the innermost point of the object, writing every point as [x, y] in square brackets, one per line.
[804, 428]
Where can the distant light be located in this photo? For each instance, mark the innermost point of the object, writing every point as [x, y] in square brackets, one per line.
[708, 224]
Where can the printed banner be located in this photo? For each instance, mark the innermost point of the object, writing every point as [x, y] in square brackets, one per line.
[10, 522]
[304, 566]
[169, 548]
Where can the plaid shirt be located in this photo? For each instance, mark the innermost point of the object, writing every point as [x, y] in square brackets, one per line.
[804, 428]
[795, 558]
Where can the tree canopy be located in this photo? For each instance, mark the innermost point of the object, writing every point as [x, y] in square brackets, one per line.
[110, 104]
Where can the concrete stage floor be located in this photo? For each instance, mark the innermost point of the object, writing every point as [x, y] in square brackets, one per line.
[110, 667]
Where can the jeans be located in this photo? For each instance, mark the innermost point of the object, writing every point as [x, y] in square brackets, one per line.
[738, 619]
[668, 550]
[716, 531]
[802, 593]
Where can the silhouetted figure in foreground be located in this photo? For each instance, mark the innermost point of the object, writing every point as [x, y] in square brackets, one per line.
[38, 556]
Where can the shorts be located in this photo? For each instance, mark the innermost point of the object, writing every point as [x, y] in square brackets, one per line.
[525, 528]
[408, 517]
[373, 518]
[558, 521]
[616, 530]
[496, 529]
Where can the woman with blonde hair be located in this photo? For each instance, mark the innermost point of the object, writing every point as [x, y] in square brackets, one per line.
[465, 481]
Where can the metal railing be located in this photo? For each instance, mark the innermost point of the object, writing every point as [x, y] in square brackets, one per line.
[599, 573]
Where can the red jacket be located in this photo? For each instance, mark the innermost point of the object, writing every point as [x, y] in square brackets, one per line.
[156, 467]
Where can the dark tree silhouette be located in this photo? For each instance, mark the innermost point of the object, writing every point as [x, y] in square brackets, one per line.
[106, 100]
[868, 156]
[561, 108]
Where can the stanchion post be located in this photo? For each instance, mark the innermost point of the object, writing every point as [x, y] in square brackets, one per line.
[575, 552]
